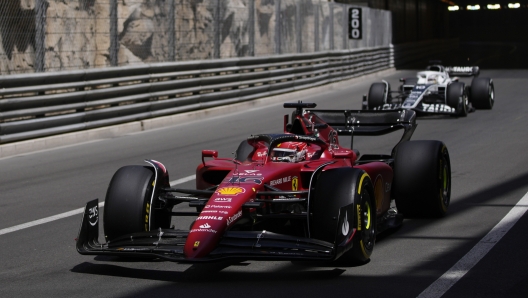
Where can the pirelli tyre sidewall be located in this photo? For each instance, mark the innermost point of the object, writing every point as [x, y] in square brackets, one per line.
[482, 93]
[127, 202]
[422, 179]
[343, 202]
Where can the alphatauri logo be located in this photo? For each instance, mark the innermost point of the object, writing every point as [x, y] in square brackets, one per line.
[346, 227]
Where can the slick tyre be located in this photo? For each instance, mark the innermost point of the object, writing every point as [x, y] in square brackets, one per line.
[457, 99]
[127, 203]
[377, 95]
[482, 93]
[343, 200]
[422, 179]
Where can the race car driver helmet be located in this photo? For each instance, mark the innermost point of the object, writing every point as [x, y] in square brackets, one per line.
[289, 152]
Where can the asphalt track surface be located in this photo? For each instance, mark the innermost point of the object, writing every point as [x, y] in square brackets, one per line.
[489, 159]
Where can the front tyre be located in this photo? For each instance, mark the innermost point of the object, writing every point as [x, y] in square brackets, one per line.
[422, 179]
[457, 99]
[343, 201]
[127, 204]
[377, 96]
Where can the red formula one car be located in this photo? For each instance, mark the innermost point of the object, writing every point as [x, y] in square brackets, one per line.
[298, 195]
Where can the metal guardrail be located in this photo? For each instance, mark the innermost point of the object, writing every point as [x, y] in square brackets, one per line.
[39, 105]
[44, 104]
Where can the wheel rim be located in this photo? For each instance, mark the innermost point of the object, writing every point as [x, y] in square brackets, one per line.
[368, 233]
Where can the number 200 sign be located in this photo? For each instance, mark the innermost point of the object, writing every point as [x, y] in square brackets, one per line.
[354, 23]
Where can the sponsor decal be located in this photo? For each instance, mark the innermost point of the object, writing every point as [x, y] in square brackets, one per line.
[460, 69]
[420, 87]
[211, 217]
[217, 206]
[295, 183]
[305, 138]
[280, 180]
[231, 219]
[262, 154]
[196, 244]
[230, 191]
[346, 226]
[210, 211]
[251, 171]
[388, 187]
[222, 200]
[250, 179]
[205, 226]
[93, 215]
[203, 230]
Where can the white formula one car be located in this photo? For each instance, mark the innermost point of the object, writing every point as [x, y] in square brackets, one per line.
[436, 90]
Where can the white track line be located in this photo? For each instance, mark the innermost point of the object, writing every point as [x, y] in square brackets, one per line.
[453, 275]
[74, 212]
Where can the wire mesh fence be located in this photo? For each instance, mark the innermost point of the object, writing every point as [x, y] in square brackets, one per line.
[57, 35]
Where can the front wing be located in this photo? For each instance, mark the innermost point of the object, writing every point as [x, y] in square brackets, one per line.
[168, 244]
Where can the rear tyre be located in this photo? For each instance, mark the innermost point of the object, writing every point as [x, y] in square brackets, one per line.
[340, 196]
[422, 179]
[127, 203]
[482, 93]
[377, 95]
[456, 98]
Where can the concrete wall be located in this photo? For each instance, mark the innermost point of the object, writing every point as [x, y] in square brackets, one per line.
[57, 35]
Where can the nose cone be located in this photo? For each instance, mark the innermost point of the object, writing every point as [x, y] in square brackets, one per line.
[203, 236]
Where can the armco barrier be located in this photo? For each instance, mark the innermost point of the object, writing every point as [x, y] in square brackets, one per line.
[44, 104]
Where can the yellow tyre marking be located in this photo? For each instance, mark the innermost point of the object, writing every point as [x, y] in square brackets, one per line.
[368, 215]
[361, 182]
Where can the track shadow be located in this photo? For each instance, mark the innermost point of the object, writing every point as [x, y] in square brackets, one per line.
[201, 273]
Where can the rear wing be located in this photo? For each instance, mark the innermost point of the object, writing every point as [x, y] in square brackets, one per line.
[463, 71]
[369, 123]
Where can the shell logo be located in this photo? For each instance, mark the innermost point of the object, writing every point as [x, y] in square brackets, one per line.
[230, 191]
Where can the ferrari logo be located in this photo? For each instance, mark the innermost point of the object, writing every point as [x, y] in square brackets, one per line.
[196, 244]
[295, 183]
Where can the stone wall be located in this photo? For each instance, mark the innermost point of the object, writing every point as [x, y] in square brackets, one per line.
[77, 33]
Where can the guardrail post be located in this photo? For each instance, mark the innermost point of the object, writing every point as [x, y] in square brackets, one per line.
[278, 27]
[316, 26]
[172, 31]
[298, 26]
[345, 27]
[114, 39]
[331, 6]
[216, 52]
[251, 28]
[40, 34]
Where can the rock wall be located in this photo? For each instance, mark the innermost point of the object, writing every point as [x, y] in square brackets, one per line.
[77, 33]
